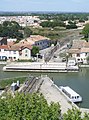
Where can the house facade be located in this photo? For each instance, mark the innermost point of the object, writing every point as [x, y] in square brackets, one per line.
[7, 53]
[15, 52]
[3, 52]
[80, 51]
[25, 53]
[37, 40]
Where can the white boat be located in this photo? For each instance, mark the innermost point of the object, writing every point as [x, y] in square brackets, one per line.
[71, 94]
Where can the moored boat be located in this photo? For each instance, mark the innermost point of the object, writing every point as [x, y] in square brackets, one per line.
[71, 94]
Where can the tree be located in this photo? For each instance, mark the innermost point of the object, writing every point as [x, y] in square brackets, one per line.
[71, 26]
[35, 50]
[28, 107]
[73, 114]
[10, 30]
[27, 32]
[85, 31]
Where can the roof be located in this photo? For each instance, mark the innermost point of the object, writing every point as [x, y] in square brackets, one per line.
[70, 91]
[86, 45]
[78, 44]
[4, 47]
[20, 46]
[33, 38]
[37, 37]
[84, 50]
[74, 51]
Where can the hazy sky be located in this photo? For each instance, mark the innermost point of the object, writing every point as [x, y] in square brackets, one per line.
[45, 5]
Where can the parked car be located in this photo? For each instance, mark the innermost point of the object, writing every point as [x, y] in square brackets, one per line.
[63, 59]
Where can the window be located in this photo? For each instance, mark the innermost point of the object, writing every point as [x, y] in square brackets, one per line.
[85, 54]
[14, 52]
[40, 43]
[78, 59]
[78, 55]
[26, 51]
[26, 55]
[72, 97]
[77, 96]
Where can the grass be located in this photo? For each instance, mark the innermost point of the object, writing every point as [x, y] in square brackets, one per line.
[53, 34]
[9, 81]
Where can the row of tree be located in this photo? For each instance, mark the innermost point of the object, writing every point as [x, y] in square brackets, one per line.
[52, 24]
[35, 107]
[57, 23]
[64, 16]
[14, 30]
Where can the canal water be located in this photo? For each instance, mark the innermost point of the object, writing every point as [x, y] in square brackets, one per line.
[77, 81]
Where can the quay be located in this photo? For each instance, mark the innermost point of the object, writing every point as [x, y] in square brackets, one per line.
[52, 93]
[40, 67]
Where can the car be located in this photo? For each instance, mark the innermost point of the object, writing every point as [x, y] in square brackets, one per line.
[63, 59]
[55, 56]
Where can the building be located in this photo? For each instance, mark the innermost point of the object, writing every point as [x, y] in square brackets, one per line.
[3, 52]
[15, 52]
[71, 62]
[23, 51]
[79, 51]
[37, 40]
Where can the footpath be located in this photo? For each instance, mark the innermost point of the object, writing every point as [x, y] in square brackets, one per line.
[52, 94]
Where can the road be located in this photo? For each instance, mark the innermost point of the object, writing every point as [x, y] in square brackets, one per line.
[49, 53]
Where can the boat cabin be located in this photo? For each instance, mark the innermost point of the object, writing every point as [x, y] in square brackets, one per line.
[71, 94]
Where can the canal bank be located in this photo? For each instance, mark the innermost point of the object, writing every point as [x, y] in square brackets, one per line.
[78, 81]
[41, 67]
[52, 93]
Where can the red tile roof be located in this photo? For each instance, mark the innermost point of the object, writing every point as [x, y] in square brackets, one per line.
[4, 47]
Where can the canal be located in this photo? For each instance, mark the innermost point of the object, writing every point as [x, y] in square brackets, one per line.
[78, 81]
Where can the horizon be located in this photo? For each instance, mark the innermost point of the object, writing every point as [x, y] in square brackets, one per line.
[44, 12]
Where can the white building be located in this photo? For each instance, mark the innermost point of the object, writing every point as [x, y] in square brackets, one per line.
[15, 52]
[3, 52]
[80, 51]
[25, 53]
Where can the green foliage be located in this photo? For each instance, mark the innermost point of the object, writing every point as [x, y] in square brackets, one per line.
[35, 50]
[52, 24]
[85, 31]
[86, 116]
[9, 81]
[28, 107]
[71, 26]
[27, 32]
[73, 114]
[10, 30]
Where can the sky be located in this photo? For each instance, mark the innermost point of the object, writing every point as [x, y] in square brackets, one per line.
[45, 5]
